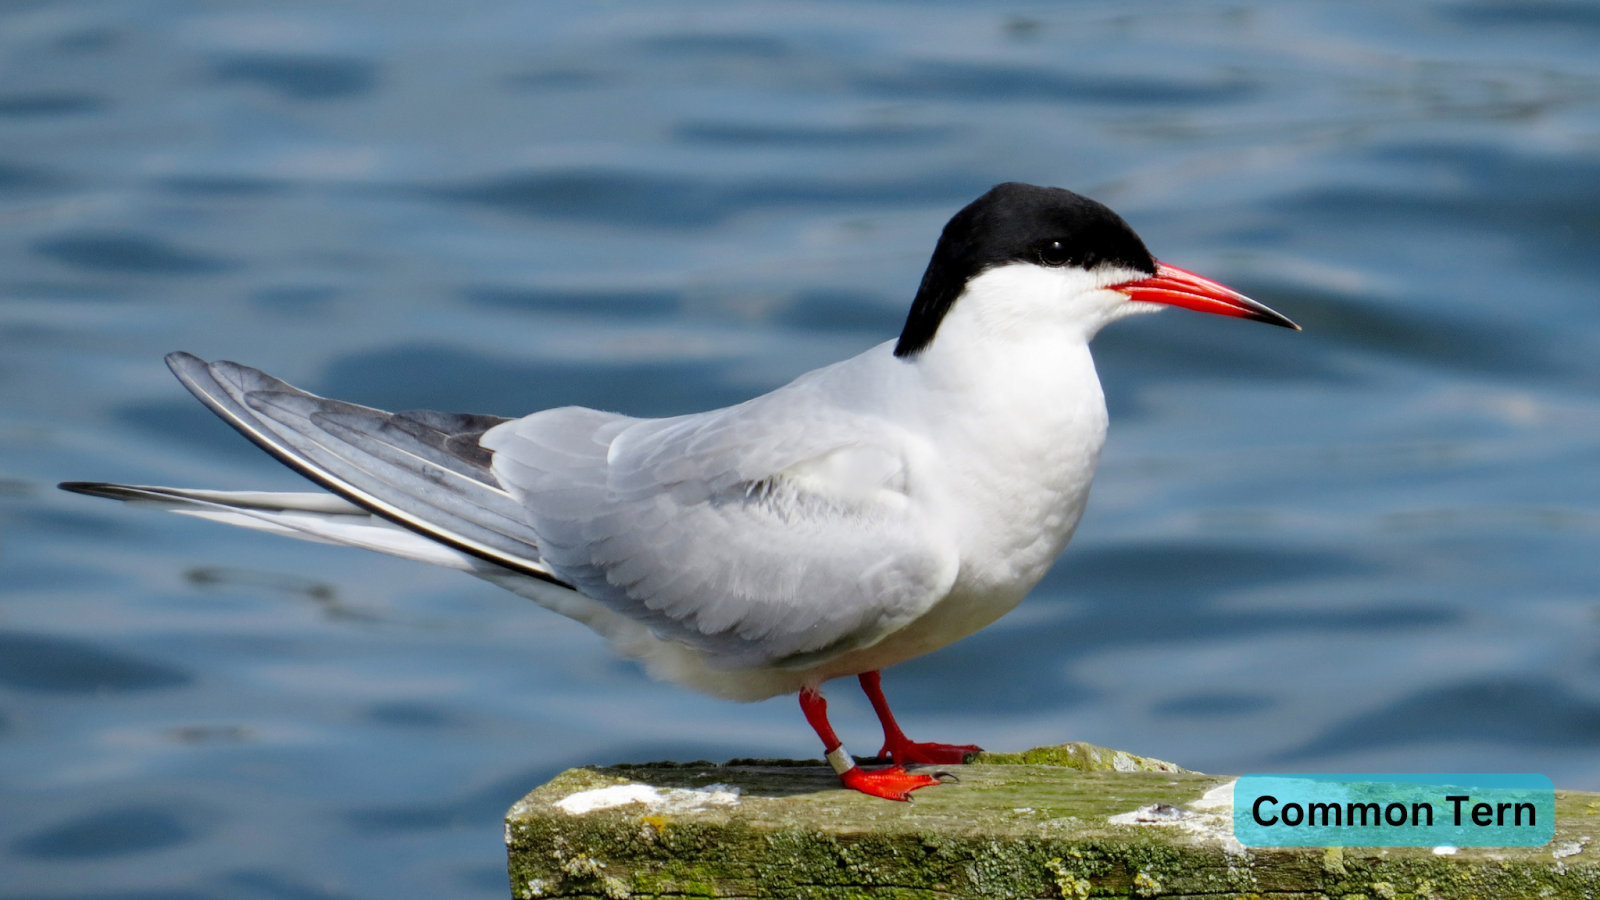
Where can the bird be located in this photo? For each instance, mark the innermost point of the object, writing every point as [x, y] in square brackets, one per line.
[864, 514]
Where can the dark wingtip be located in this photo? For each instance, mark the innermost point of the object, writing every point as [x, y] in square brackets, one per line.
[95, 489]
[179, 359]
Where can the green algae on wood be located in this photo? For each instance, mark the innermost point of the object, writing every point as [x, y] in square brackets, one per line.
[1078, 755]
[1012, 827]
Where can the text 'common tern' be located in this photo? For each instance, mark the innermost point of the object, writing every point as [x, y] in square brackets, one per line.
[862, 515]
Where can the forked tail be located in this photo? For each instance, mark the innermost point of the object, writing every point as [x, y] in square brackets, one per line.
[421, 470]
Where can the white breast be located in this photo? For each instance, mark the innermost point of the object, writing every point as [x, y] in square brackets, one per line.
[1013, 419]
[1017, 414]
[988, 439]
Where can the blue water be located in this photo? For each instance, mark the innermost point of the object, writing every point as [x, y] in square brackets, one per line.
[1367, 547]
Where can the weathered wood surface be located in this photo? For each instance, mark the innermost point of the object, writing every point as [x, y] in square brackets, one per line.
[1038, 824]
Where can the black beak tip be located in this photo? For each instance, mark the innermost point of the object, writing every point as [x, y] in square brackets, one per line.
[1273, 317]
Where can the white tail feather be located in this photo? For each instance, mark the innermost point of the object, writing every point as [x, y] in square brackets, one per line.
[323, 518]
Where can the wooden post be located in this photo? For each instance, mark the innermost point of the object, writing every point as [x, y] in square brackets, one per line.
[1069, 822]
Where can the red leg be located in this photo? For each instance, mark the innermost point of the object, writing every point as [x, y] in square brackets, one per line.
[896, 745]
[892, 783]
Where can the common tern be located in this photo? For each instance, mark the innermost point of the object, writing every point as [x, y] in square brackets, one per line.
[864, 514]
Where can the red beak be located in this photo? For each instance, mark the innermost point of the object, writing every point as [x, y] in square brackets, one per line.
[1178, 287]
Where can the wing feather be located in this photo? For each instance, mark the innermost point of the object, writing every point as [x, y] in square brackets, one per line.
[713, 531]
[398, 481]
[779, 532]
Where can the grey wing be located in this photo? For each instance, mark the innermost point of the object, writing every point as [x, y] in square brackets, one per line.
[773, 533]
[421, 469]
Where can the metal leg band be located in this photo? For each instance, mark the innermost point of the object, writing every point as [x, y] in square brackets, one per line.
[840, 760]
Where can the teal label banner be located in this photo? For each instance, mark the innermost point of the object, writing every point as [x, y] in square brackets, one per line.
[1394, 810]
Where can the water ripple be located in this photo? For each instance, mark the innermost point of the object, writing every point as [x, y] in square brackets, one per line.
[114, 832]
[635, 199]
[36, 662]
[300, 78]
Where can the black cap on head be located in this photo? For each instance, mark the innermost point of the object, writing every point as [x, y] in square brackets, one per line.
[1017, 222]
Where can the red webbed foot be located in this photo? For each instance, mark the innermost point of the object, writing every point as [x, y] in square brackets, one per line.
[892, 783]
[898, 747]
[903, 752]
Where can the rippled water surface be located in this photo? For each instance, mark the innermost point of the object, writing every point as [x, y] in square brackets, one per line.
[1367, 547]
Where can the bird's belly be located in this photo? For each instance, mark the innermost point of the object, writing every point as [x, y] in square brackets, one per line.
[995, 576]
[953, 618]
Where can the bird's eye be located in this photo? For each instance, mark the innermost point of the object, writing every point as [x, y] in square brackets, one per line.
[1053, 254]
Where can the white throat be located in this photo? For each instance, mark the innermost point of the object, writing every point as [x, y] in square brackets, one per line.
[1021, 300]
[1013, 402]
[1028, 326]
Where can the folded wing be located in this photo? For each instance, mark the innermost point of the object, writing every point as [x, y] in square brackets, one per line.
[779, 532]
[422, 470]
